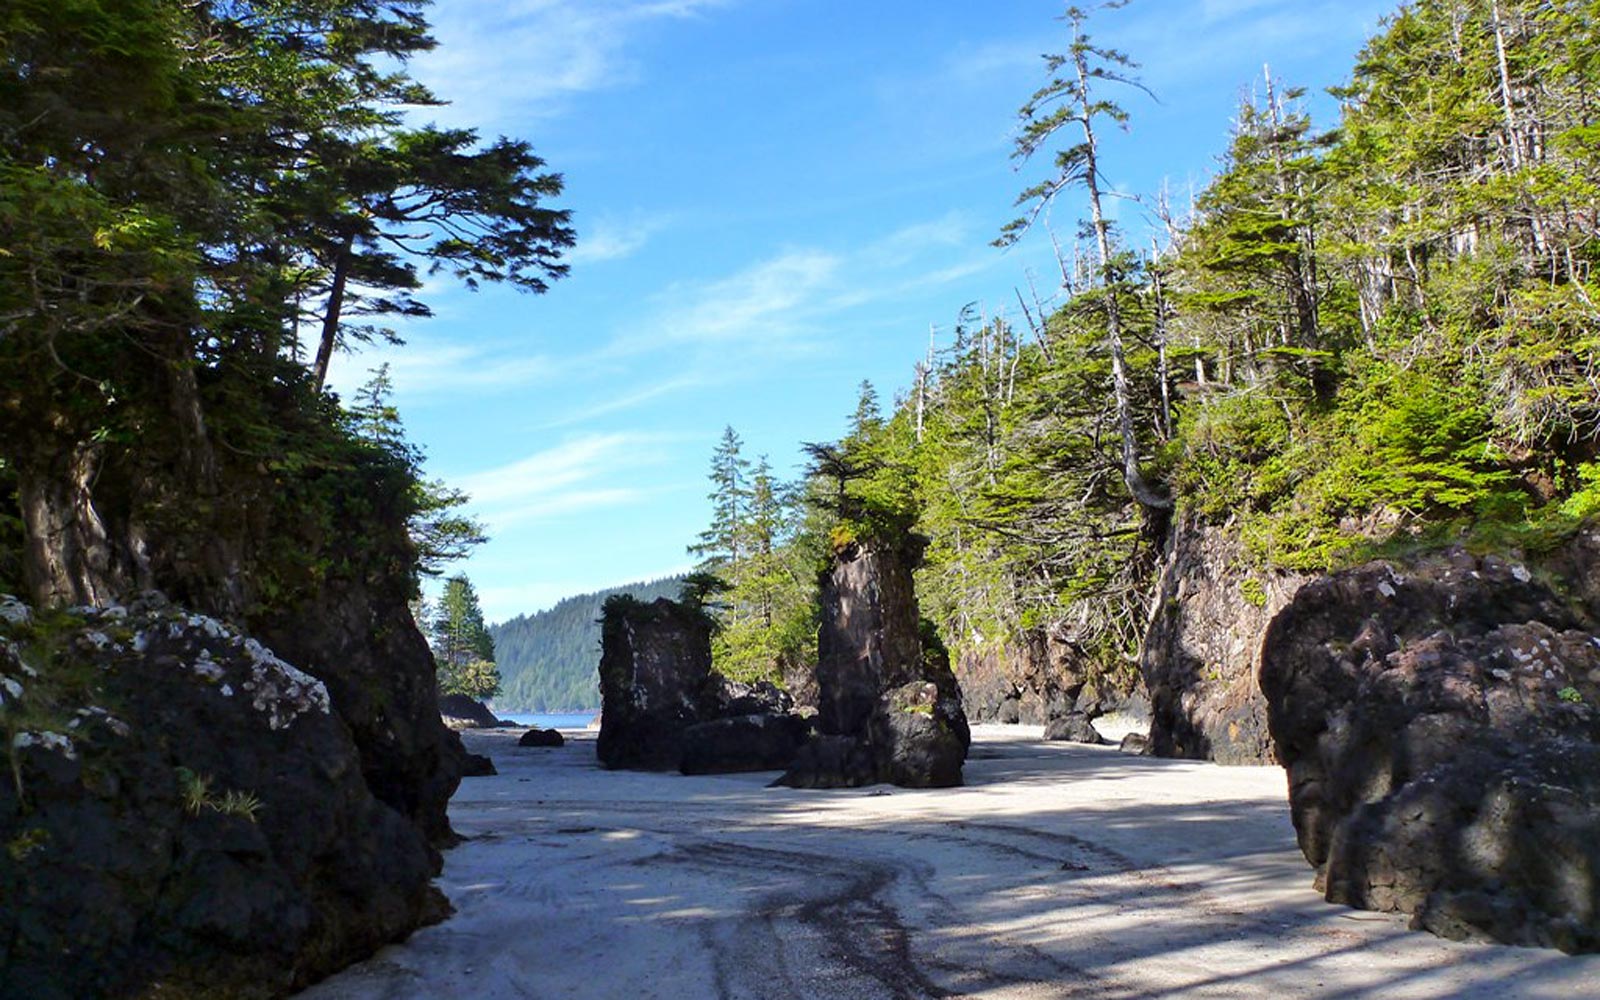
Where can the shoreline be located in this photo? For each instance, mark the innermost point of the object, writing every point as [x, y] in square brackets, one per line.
[1057, 871]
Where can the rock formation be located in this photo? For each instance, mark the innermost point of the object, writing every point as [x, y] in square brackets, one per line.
[358, 637]
[184, 806]
[756, 742]
[1073, 728]
[460, 712]
[883, 682]
[541, 738]
[1438, 720]
[655, 681]
[663, 706]
[1202, 652]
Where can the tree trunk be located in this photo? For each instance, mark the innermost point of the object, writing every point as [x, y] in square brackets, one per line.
[1131, 475]
[68, 555]
[330, 319]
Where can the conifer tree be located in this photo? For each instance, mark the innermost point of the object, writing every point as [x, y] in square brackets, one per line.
[462, 646]
[1072, 101]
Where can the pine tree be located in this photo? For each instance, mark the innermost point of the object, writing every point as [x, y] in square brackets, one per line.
[1077, 103]
[462, 646]
[722, 543]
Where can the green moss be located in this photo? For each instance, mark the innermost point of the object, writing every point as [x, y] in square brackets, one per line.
[27, 842]
[1253, 592]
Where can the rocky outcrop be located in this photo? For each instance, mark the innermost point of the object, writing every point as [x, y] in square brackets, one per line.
[460, 712]
[1042, 677]
[1202, 652]
[541, 738]
[883, 681]
[1438, 721]
[184, 806]
[358, 637]
[758, 742]
[655, 681]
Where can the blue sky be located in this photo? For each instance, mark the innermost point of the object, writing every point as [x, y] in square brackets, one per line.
[774, 199]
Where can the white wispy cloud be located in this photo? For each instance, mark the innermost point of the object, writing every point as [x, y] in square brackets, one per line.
[766, 298]
[614, 239]
[423, 369]
[638, 397]
[519, 58]
[576, 475]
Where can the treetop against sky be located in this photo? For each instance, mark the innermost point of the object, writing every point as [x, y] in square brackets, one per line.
[773, 199]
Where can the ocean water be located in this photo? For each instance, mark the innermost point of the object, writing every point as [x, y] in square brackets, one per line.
[570, 720]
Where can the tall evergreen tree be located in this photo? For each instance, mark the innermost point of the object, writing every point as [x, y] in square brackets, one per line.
[462, 645]
[1072, 101]
[722, 543]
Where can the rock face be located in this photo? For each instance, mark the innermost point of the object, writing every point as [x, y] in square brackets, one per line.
[461, 712]
[1040, 678]
[1202, 653]
[881, 681]
[655, 681]
[186, 807]
[360, 640]
[1439, 726]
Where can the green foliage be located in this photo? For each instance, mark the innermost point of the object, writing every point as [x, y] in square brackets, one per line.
[758, 576]
[26, 843]
[1571, 695]
[1252, 591]
[195, 791]
[463, 649]
[186, 189]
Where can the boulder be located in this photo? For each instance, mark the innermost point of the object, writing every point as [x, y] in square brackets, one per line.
[461, 712]
[655, 681]
[832, 761]
[1136, 744]
[1073, 728]
[477, 765]
[883, 680]
[1202, 652]
[541, 738]
[187, 809]
[919, 737]
[1438, 721]
[756, 742]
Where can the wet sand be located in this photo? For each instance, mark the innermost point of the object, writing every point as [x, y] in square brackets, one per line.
[1058, 871]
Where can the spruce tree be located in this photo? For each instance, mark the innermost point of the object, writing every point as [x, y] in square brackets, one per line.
[462, 646]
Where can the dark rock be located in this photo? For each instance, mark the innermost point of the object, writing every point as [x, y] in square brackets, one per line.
[756, 742]
[1202, 652]
[655, 681]
[920, 738]
[476, 765]
[1137, 744]
[1073, 728]
[735, 698]
[461, 712]
[832, 762]
[191, 812]
[357, 636]
[1438, 724]
[541, 738]
[883, 681]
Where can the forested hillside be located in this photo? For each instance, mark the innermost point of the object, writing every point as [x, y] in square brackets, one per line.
[548, 659]
[1372, 333]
